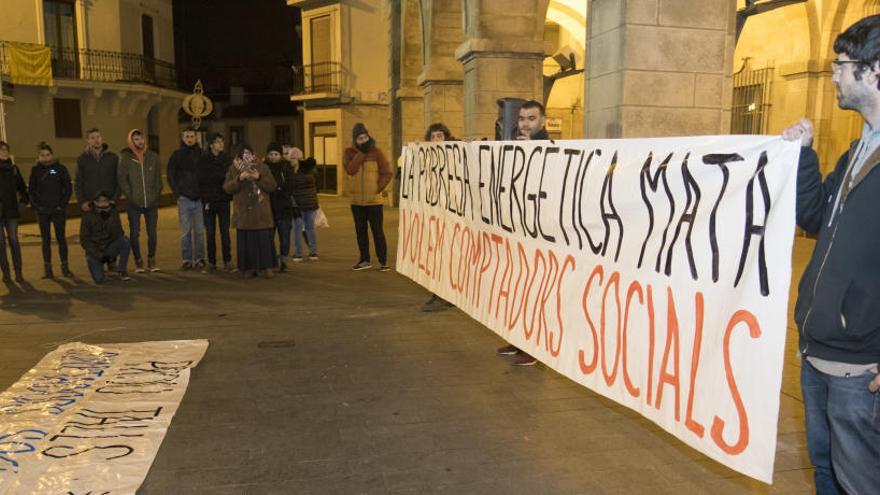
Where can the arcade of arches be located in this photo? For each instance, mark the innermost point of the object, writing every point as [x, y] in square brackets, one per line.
[650, 67]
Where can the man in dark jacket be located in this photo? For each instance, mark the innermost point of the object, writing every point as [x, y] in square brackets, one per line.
[50, 189]
[283, 209]
[838, 305]
[102, 238]
[13, 194]
[95, 170]
[305, 195]
[211, 171]
[184, 182]
[140, 179]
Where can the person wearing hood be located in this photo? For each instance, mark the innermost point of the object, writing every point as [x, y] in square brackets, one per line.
[184, 181]
[250, 182]
[305, 194]
[140, 179]
[283, 209]
[95, 170]
[13, 192]
[50, 190]
[102, 238]
[211, 172]
[369, 173]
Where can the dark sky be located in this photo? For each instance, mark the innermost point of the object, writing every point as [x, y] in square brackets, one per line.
[233, 42]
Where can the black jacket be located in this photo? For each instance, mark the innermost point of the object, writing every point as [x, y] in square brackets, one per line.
[98, 230]
[211, 173]
[282, 197]
[305, 189]
[182, 171]
[49, 187]
[13, 191]
[838, 305]
[96, 175]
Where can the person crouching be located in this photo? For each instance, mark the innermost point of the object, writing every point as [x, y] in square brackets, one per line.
[103, 240]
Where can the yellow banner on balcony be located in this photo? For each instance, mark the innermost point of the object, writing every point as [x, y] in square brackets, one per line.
[29, 64]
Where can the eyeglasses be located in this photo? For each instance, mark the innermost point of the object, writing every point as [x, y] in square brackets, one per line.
[838, 64]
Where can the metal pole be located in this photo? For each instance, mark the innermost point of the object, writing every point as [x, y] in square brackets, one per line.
[2, 113]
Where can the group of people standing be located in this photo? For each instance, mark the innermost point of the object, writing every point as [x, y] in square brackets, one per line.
[270, 197]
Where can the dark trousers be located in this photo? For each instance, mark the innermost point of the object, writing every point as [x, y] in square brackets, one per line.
[57, 220]
[151, 219]
[9, 235]
[370, 215]
[218, 213]
[282, 230]
[119, 247]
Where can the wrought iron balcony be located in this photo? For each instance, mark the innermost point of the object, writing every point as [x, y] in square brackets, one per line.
[325, 78]
[102, 65]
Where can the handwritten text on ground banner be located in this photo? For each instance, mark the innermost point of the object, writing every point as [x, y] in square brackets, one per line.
[653, 271]
[90, 419]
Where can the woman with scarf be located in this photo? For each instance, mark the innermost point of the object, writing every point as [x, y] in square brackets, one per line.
[50, 188]
[13, 192]
[250, 183]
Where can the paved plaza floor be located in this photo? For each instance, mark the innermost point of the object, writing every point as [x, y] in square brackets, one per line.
[327, 381]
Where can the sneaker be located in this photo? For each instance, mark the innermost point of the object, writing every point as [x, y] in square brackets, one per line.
[436, 303]
[138, 266]
[151, 265]
[384, 268]
[227, 267]
[362, 265]
[124, 276]
[200, 265]
[313, 257]
[282, 267]
[297, 259]
[524, 359]
[209, 268]
[186, 265]
[508, 350]
[268, 273]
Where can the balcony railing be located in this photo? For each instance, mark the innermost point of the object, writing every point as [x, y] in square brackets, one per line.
[102, 65]
[320, 78]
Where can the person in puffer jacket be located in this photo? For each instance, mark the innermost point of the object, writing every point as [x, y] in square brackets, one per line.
[50, 190]
[13, 196]
[305, 193]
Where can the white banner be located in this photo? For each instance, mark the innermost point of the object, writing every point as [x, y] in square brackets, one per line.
[90, 419]
[653, 271]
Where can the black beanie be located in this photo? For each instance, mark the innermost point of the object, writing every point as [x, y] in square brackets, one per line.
[359, 129]
[275, 147]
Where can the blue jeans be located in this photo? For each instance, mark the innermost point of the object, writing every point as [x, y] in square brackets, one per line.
[215, 213]
[119, 247]
[192, 229]
[9, 235]
[307, 220]
[282, 227]
[843, 431]
[151, 219]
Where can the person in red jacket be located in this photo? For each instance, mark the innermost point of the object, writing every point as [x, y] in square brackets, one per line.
[369, 174]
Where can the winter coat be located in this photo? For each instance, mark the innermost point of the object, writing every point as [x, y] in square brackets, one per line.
[282, 197]
[140, 181]
[183, 171]
[13, 190]
[49, 188]
[96, 174]
[98, 230]
[305, 188]
[252, 209]
[837, 309]
[211, 174]
[369, 173]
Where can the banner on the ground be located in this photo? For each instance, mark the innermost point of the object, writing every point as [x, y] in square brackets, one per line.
[653, 271]
[90, 419]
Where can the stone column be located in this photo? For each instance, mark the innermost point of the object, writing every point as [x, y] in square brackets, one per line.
[659, 67]
[502, 56]
[441, 78]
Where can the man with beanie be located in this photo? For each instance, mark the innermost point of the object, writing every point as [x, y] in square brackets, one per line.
[211, 172]
[184, 182]
[369, 174]
[283, 209]
[140, 179]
